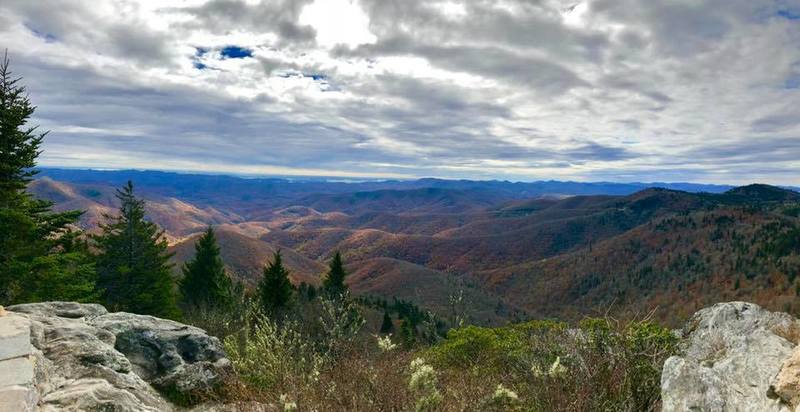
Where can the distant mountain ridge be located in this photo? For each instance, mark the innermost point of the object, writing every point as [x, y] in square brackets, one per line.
[514, 249]
[272, 192]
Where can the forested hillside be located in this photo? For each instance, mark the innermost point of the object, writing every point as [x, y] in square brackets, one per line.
[549, 256]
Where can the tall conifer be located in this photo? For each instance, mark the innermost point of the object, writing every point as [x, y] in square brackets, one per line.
[275, 290]
[133, 263]
[387, 325]
[334, 281]
[204, 282]
[40, 257]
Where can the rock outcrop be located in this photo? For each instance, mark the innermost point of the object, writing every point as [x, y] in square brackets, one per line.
[89, 359]
[731, 354]
[786, 385]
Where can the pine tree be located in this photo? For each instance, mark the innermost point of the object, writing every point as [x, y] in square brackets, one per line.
[408, 333]
[204, 282]
[334, 282]
[39, 257]
[387, 326]
[274, 290]
[133, 263]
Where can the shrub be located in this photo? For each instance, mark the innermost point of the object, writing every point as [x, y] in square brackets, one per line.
[423, 382]
[269, 354]
[600, 365]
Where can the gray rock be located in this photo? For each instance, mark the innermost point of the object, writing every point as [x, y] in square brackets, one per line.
[89, 359]
[730, 354]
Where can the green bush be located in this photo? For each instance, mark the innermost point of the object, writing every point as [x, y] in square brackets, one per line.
[270, 354]
[497, 348]
[598, 365]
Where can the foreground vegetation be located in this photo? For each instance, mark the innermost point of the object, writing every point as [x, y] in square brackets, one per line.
[325, 356]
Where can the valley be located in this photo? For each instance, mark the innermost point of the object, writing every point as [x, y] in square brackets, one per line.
[513, 250]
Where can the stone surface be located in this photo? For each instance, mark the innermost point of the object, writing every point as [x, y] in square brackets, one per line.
[15, 334]
[17, 371]
[17, 392]
[731, 353]
[786, 384]
[18, 399]
[89, 359]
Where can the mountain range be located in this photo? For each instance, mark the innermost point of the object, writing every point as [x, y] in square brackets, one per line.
[510, 250]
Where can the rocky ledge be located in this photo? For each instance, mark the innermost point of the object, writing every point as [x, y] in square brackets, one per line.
[735, 356]
[85, 358]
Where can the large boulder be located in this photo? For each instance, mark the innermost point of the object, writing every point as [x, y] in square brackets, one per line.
[89, 359]
[730, 354]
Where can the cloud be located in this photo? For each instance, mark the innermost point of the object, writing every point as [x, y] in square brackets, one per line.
[589, 90]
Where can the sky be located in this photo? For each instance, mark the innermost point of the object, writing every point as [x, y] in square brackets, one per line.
[588, 90]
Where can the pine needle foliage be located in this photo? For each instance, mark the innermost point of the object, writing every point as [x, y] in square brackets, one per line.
[133, 263]
[334, 281]
[205, 283]
[275, 291]
[41, 257]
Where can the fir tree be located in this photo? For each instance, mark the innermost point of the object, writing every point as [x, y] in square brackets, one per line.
[408, 333]
[274, 290]
[39, 255]
[387, 326]
[334, 281]
[204, 282]
[133, 263]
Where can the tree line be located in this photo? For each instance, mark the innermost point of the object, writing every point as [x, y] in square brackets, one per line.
[126, 266]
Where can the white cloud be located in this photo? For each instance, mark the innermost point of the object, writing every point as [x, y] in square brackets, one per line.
[588, 90]
[338, 22]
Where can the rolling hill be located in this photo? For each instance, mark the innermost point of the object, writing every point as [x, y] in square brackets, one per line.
[178, 218]
[245, 258]
[444, 294]
[515, 250]
[744, 247]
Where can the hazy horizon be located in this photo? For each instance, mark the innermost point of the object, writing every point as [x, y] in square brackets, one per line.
[344, 179]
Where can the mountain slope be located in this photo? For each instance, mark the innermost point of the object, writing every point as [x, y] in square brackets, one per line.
[675, 263]
[427, 288]
[413, 202]
[245, 258]
[497, 240]
[176, 217]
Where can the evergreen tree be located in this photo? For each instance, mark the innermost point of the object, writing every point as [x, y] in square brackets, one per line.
[204, 282]
[334, 282]
[40, 257]
[387, 326]
[408, 333]
[133, 263]
[274, 290]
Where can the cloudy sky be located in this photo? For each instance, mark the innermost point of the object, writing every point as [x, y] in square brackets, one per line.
[621, 90]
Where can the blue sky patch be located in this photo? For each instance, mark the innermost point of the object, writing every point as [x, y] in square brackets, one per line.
[316, 76]
[47, 37]
[235, 52]
[200, 66]
[789, 14]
